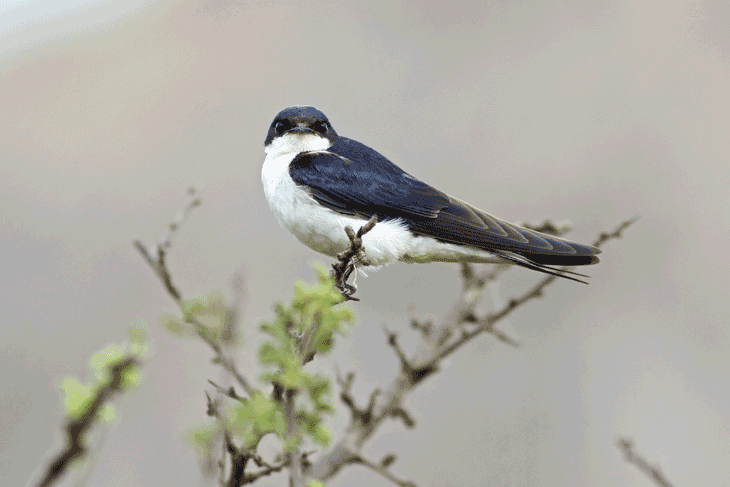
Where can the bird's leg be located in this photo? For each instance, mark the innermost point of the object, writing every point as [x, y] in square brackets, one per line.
[351, 258]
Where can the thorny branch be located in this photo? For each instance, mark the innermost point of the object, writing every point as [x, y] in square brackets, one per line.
[626, 445]
[460, 325]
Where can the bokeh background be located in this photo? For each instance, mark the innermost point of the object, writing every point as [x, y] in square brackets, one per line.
[587, 111]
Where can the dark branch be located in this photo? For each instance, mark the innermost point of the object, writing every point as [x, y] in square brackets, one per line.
[362, 416]
[415, 374]
[626, 445]
[76, 430]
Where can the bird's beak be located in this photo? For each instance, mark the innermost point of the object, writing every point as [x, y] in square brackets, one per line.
[300, 129]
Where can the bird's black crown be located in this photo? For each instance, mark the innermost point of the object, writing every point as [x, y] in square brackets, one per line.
[302, 119]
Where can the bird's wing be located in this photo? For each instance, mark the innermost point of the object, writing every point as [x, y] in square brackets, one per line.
[353, 179]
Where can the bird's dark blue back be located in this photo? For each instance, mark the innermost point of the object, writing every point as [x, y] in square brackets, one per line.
[352, 178]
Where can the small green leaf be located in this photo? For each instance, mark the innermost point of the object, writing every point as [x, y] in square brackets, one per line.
[131, 377]
[203, 436]
[76, 397]
[108, 355]
[269, 355]
[321, 434]
[291, 378]
[137, 332]
[174, 325]
[107, 413]
[292, 442]
[261, 406]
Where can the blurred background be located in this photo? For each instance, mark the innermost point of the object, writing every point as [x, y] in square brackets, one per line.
[591, 112]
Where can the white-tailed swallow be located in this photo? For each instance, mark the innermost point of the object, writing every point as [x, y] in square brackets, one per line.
[317, 182]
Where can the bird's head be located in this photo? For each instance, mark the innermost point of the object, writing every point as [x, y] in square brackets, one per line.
[299, 129]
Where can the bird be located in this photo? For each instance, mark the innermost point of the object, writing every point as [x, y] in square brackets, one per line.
[317, 183]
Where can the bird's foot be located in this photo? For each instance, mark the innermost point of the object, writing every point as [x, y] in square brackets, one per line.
[350, 259]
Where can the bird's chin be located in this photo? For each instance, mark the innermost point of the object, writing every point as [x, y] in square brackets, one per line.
[297, 142]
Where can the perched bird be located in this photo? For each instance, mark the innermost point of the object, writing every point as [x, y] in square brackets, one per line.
[317, 182]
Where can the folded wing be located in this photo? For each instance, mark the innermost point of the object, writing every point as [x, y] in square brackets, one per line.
[353, 179]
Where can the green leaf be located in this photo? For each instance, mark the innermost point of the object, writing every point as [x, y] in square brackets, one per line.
[107, 413]
[269, 354]
[137, 332]
[131, 377]
[291, 378]
[110, 354]
[321, 434]
[77, 397]
[174, 324]
[203, 436]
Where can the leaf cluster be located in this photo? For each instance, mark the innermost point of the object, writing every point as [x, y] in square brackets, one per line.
[78, 396]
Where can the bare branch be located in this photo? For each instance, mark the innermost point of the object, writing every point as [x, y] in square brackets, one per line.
[424, 327]
[617, 232]
[230, 392]
[393, 342]
[382, 469]
[157, 262]
[358, 415]
[626, 445]
[488, 322]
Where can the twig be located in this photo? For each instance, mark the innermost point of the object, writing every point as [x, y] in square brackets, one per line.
[383, 470]
[348, 260]
[424, 327]
[626, 445]
[393, 343]
[230, 392]
[296, 478]
[75, 430]
[358, 415]
[488, 322]
[617, 233]
[157, 262]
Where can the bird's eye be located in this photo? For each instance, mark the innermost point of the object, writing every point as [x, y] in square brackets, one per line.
[279, 127]
[321, 127]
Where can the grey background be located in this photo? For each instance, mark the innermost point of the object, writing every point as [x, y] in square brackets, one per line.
[587, 111]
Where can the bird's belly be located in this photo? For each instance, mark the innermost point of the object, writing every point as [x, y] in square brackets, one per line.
[318, 227]
[311, 225]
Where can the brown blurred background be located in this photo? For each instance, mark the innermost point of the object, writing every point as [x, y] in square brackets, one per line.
[586, 111]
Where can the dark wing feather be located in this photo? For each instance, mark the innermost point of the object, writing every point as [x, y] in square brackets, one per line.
[353, 179]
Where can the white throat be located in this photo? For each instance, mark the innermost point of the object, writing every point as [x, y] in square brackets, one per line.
[288, 143]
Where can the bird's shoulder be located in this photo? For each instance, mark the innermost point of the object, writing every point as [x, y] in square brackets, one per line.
[354, 177]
